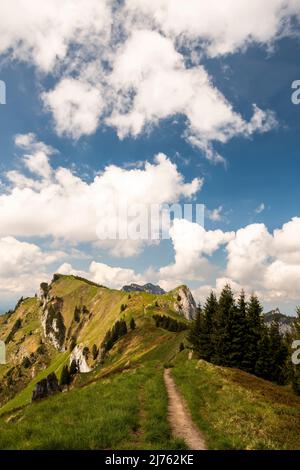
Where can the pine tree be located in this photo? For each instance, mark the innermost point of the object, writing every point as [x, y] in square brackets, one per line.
[295, 368]
[254, 335]
[206, 344]
[123, 328]
[65, 378]
[238, 333]
[95, 352]
[263, 364]
[73, 368]
[196, 329]
[223, 332]
[132, 324]
[77, 314]
[107, 342]
[278, 355]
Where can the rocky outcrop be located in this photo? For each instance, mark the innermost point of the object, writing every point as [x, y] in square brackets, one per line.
[52, 319]
[46, 387]
[184, 303]
[285, 321]
[150, 288]
[80, 360]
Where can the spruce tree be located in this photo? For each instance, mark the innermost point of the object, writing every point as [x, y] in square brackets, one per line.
[95, 352]
[77, 314]
[278, 355]
[263, 364]
[206, 344]
[195, 330]
[238, 332]
[132, 324]
[65, 378]
[295, 368]
[73, 367]
[254, 335]
[223, 332]
[123, 328]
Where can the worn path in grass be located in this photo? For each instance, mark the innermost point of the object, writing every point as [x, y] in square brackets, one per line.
[179, 417]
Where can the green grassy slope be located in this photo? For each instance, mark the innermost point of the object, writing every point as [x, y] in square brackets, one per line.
[237, 410]
[103, 310]
[127, 411]
[122, 402]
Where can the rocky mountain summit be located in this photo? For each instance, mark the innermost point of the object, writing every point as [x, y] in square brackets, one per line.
[285, 321]
[150, 288]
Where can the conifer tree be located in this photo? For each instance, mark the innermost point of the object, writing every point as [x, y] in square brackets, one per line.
[196, 329]
[223, 332]
[295, 368]
[239, 333]
[122, 328]
[206, 344]
[95, 352]
[278, 355]
[73, 368]
[254, 335]
[263, 364]
[132, 324]
[65, 378]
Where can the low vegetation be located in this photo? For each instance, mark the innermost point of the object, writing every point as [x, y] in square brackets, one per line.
[126, 411]
[236, 410]
[233, 334]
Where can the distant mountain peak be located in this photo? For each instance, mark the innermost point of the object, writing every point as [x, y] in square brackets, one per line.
[150, 288]
[285, 321]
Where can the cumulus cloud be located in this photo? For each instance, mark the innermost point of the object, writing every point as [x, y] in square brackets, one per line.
[269, 262]
[43, 32]
[64, 206]
[220, 28]
[216, 214]
[23, 265]
[114, 277]
[153, 82]
[257, 260]
[248, 253]
[132, 65]
[76, 107]
[192, 244]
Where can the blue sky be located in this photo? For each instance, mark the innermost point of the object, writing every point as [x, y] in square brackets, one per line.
[254, 190]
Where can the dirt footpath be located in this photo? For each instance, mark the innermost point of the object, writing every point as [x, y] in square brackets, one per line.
[179, 417]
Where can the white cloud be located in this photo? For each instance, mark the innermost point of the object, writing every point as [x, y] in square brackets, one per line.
[23, 266]
[76, 106]
[122, 66]
[220, 28]
[260, 208]
[192, 243]
[216, 214]
[114, 277]
[257, 260]
[248, 253]
[267, 262]
[42, 32]
[64, 206]
[151, 78]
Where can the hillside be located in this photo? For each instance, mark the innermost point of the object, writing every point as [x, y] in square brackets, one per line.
[122, 402]
[44, 333]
